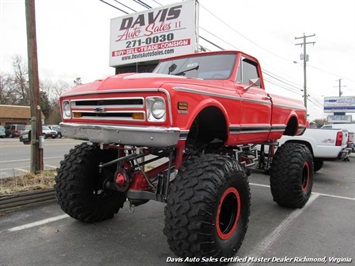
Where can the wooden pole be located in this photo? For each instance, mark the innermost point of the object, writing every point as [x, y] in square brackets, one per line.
[36, 119]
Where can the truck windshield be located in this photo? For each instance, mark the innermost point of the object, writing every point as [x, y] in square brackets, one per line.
[208, 67]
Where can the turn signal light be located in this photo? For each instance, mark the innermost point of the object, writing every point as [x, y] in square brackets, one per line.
[138, 116]
[77, 115]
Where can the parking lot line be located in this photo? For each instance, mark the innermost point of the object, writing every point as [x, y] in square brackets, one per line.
[21, 170]
[333, 196]
[38, 223]
[314, 193]
[259, 185]
[50, 166]
[278, 231]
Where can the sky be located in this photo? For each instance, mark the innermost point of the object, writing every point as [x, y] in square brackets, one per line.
[73, 40]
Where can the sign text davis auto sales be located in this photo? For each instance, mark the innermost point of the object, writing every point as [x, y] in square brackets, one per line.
[154, 34]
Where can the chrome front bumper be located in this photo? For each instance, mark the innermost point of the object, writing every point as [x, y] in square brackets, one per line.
[125, 135]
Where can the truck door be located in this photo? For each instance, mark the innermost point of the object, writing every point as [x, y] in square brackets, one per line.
[256, 103]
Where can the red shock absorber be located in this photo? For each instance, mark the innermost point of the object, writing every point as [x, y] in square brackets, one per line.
[139, 181]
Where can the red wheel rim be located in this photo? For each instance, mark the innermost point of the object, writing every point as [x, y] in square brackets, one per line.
[228, 213]
[305, 177]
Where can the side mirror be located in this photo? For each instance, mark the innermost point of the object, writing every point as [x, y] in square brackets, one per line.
[253, 82]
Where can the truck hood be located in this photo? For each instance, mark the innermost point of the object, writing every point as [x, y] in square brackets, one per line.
[137, 81]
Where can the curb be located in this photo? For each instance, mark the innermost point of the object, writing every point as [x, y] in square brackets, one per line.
[25, 199]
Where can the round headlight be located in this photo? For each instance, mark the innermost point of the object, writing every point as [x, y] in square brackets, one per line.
[66, 110]
[158, 109]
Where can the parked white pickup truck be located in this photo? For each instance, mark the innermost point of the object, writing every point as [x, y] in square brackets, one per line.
[325, 144]
[351, 132]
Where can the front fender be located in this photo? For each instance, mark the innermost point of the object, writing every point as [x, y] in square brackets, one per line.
[203, 105]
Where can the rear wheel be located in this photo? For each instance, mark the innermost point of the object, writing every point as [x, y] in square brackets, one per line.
[318, 164]
[291, 175]
[79, 185]
[208, 208]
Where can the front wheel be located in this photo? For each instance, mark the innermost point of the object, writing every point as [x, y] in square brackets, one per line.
[79, 185]
[208, 208]
[291, 175]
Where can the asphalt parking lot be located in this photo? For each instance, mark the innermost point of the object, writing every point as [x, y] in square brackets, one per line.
[321, 232]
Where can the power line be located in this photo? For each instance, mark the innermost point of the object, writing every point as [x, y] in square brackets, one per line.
[157, 2]
[243, 36]
[219, 47]
[217, 37]
[143, 4]
[290, 87]
[316, 104]
[114, 6]
[282, 86]
[125, 6]
[327, 72]
[297, 86]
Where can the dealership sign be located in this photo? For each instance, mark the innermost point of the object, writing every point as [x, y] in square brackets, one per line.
[339, 118]
[344, 104]
[154, 34]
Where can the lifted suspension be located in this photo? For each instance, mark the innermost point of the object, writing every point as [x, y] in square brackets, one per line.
[139, 185]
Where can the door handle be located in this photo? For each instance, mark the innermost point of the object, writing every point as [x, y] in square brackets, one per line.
[266, 98]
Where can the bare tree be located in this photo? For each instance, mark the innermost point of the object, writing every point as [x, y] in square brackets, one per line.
[20, 84]
[53, 91]
[6, 96]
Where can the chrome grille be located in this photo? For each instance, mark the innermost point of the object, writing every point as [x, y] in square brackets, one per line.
[110, 103]
[125, 109]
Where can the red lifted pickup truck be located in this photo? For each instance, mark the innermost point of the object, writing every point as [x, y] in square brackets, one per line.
[203, 115]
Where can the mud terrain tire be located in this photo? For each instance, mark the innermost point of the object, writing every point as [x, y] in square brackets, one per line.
[208, 208]
[291, 175]
[79, 185]
[318, 164]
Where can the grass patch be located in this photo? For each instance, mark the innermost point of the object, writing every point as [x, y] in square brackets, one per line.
[27, 182]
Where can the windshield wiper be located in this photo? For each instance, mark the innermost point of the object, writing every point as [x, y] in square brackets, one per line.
[186, 70]
[172, 68]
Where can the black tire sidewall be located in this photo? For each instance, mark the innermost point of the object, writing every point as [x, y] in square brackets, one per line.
[75, 182]
[234, 242]
[193, 204]
[286, 174]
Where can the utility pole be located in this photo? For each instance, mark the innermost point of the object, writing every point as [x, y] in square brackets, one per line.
[305, 59]
[36, 118]
[340, 86]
